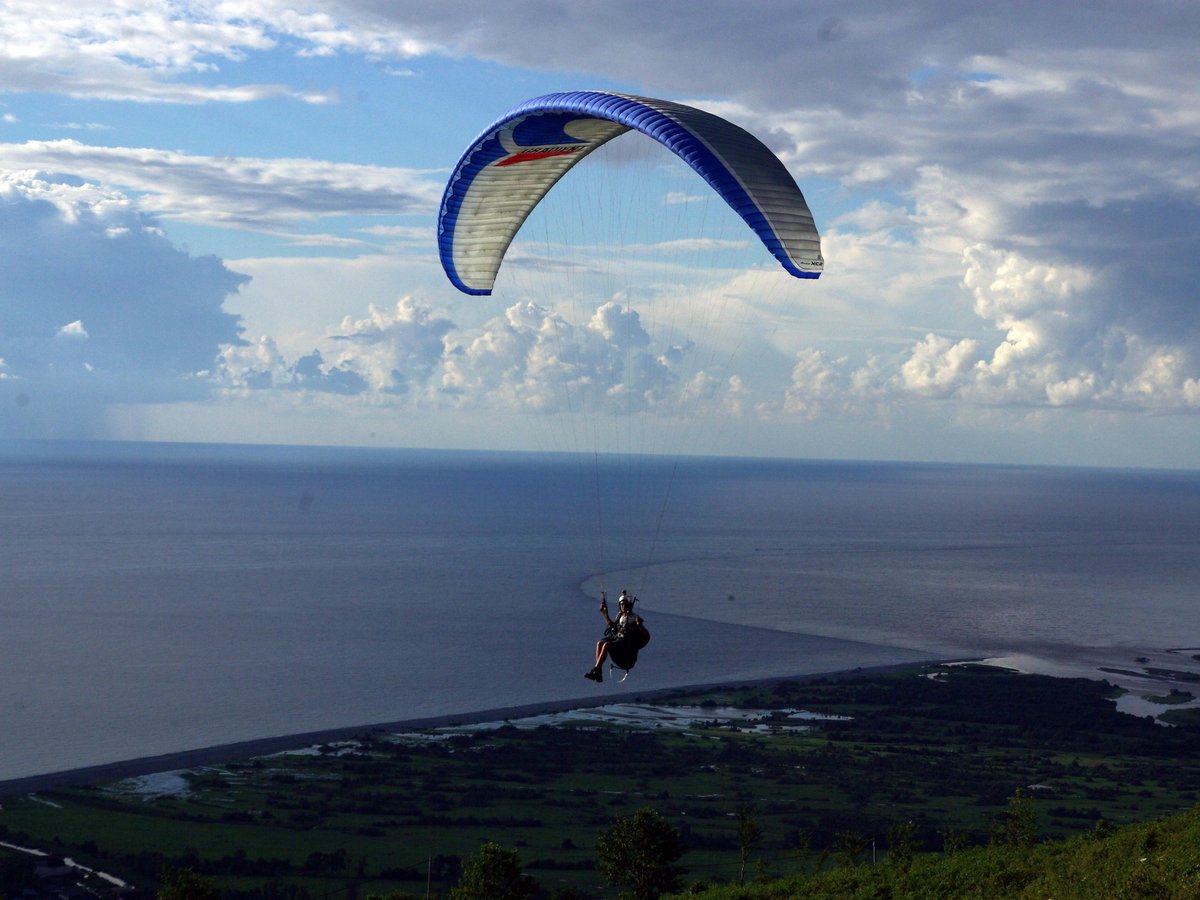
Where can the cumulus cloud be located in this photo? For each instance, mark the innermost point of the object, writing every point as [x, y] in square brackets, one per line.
[398, 347]
[1047, 335]
[1073, 337]
[529, 359]
[73, 331]
[814, 385]
[936, 366]
[537, 360]
[96, 302]
[1067, 338]
[259, 366]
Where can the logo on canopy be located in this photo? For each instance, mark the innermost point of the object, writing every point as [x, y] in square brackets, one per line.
[538, 153]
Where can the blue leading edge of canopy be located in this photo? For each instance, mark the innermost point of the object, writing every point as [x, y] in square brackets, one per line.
[545, 129]
[626, 111]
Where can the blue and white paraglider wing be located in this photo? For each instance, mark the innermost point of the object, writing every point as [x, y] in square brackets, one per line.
[511, 166]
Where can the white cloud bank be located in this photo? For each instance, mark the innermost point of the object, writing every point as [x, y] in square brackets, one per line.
[98, 304]
[1066, 339]
[529, 360]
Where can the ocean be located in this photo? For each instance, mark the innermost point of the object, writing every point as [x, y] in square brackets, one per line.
[157, 598]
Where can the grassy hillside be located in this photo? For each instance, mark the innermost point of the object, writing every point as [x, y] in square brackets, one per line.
[938, 751]
[1159, 859]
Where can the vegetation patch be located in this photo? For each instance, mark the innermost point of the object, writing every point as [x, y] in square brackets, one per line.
[1172, 697]
[907, 766]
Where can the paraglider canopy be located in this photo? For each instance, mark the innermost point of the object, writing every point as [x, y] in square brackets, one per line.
[511, 166]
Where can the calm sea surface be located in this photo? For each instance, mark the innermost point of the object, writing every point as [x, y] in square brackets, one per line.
[156, 598]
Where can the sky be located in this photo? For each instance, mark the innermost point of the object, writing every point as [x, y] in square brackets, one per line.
[218, 224]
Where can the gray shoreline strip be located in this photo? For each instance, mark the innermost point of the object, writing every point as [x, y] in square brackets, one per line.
[240, 750]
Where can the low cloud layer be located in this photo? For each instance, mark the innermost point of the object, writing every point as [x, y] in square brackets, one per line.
[529, 360]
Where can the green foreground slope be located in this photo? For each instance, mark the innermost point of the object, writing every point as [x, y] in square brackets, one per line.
[1159, 859]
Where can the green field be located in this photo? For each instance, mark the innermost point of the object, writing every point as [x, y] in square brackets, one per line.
[944, 748]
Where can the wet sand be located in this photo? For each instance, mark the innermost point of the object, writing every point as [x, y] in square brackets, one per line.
[242, 750]
[1143, 674]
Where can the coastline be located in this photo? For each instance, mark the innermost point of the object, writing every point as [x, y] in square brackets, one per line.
[239, 750]
[1161, 670]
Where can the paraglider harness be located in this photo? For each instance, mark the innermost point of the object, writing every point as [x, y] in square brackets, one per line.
[625, 641]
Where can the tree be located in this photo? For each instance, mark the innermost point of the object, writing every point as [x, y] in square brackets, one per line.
[494, 874]
[847, 847]
[1019, 828]
[638, 853]
[184, 884]
[800, 841]
[749, 835]
[955, 841]
[902, 844]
